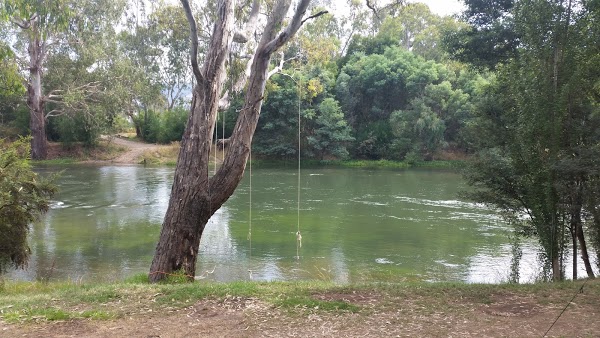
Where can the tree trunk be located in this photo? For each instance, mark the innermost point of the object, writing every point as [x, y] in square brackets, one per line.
[584, 252]
[190, 204]
[195, 197]
[574, 240]
[556, 269]
[35, 101]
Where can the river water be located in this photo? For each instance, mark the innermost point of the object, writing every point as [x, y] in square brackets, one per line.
[356, 226]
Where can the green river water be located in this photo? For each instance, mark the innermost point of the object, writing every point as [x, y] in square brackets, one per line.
[357, 226]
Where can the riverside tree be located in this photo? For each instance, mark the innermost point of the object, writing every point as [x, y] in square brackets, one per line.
[55, 29]
[195, 196]
[538, 130]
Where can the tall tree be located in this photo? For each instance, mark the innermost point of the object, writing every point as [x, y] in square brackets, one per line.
[47, 28]
[41, 23]
[195, 196]
[541, 122]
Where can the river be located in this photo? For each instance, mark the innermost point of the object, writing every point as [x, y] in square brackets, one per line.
[357, 225]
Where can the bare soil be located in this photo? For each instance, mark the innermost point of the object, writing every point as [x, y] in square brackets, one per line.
[134, 150]
[112, 149]
[381, 315]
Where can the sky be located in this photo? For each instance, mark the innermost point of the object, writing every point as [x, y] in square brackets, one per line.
[443, 7]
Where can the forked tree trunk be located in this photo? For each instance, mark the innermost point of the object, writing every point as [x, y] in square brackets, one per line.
[190, 205]
[194, 196]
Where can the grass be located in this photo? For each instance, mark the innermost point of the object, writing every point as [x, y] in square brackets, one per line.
[57, 161]
[367, 164]
[32, 301]
[77, 152]
[163, 155]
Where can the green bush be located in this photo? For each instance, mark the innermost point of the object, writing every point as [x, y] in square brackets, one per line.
[23, 197]
[162, 127]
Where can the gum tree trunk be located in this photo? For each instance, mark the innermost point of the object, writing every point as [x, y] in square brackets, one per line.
[35, 100]
[190, 206]
[194, 196]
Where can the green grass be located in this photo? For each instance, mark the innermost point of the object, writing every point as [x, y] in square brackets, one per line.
[31, 301]
[367, 164]
[57, 161]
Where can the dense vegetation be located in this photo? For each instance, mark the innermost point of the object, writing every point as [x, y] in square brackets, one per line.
[515, 83]
[23, 197]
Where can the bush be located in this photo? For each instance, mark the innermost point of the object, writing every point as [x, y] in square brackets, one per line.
[162, 127]
[23, 198]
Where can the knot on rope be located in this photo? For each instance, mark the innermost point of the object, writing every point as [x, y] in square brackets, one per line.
[299, 238]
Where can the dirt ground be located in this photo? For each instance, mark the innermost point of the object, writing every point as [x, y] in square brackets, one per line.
[506, 315]
[124, 151]
[133, 152]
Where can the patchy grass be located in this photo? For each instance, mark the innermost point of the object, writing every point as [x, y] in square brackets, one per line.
[311, 308]
[58, 153]
[25, 301]
[161, 155]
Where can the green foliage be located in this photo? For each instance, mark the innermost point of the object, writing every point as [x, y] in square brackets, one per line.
[490, 38]
[417, 29]
[538, 128]
[162, 127]
[13, 111]
[23, 198]
[329, 132]
[82, 128]
[324, 132]
[430, 106]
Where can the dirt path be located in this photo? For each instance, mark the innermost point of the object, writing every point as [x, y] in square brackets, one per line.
[134, 149]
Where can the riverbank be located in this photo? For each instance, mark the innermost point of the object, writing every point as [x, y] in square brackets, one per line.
[121, 150]
[302, 309]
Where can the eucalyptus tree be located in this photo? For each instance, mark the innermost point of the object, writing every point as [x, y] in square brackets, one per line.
[42, 29]
[195, 196]
[419, 30]
[158, 43]
[42, 25]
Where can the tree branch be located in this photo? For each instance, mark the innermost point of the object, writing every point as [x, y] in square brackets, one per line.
[279, 67]
[372, 7]
[290, 30]
[54, 113]
[314, 16]
[22, 24]
[193, 40]
[240, 82]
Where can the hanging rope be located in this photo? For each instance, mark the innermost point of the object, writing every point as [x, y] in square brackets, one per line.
[298, 234]
[579, 290]
[216, 140]
[250, 207]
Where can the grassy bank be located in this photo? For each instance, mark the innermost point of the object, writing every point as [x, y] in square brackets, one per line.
[366, 164]
[34, 301]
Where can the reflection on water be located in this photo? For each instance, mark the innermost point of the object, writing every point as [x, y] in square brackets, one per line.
[357, 225]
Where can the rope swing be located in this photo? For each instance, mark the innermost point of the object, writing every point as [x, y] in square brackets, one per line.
[250, 207]
[298, 234]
